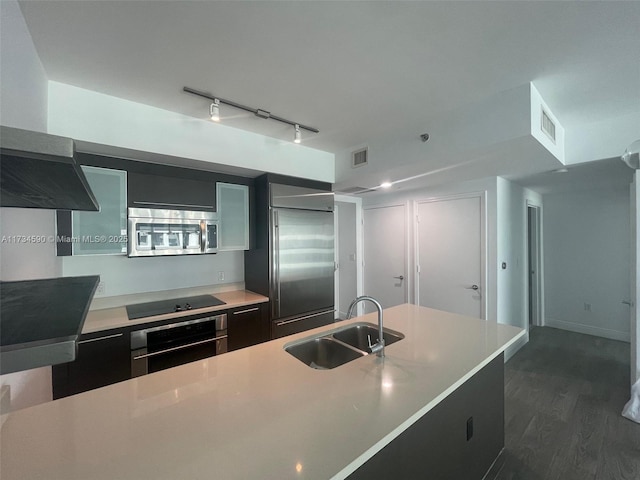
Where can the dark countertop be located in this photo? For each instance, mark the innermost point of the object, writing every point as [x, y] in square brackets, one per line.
[40, 320]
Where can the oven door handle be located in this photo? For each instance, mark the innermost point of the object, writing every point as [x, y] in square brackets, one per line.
[180, 347]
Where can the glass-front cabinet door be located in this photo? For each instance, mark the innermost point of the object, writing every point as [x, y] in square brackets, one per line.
[104, 231]
[233, 215]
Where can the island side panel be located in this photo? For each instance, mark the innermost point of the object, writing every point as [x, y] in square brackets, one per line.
[436, 446]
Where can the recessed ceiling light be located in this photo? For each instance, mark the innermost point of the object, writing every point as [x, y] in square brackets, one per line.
[561, 170]
[385, 184]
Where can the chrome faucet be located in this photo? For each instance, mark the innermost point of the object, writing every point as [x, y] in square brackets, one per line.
[377, 348]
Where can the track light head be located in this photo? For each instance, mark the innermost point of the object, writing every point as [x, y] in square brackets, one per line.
[297, 138]
[214, 110]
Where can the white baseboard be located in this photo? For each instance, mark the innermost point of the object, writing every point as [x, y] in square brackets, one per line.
[513, 349]
[588, 330]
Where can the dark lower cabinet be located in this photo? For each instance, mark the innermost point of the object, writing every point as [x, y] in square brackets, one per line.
[458, 439]
[103, 358]
[247, 326]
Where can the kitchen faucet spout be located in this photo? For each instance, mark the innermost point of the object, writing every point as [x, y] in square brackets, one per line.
[377, 348]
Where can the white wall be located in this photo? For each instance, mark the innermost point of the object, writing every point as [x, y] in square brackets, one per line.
[512, 250]
[124, 276]
[23, 104]
[23, 260]
[23, 81]
[347, 256]
[587, 260]
[601, 138]
[512, 297]
[94, 117]
[635, 272]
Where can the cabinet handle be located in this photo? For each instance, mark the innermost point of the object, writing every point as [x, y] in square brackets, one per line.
[180, 205]
[247, 311]
[180, 347]
[285, 322]
[116, 335]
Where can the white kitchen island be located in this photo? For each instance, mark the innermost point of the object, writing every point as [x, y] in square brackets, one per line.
[255, 413]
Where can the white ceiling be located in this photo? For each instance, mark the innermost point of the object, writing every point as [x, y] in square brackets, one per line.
[354, 70]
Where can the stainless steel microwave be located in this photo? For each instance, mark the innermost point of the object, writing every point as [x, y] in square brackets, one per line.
[154, 232]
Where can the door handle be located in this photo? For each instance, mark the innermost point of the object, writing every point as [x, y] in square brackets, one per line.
[628, 302]
[472, 287]
[401, 277]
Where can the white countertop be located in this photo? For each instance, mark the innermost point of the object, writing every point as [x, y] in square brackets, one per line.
[255, 413]
[109, 318]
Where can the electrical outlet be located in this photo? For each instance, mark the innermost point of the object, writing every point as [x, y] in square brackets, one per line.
[587, 307]
[101, 288]
[220, 276]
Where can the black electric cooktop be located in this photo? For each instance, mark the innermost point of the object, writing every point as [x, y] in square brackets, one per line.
[161, 307]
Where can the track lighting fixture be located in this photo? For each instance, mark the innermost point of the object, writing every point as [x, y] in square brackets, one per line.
[214, 112]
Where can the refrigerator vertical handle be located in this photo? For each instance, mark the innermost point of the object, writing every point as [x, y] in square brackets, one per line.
[276, 265]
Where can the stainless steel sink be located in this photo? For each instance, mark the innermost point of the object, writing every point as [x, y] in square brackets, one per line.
[362, 335]
[323, 353]
[339, 346]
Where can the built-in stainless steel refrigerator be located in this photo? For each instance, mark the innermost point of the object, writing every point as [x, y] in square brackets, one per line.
[300, 258]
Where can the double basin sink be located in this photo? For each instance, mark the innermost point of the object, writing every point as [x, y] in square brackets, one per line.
[340, 346]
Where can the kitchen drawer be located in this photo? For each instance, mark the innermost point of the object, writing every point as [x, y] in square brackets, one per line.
[248, 325]
[103, 358]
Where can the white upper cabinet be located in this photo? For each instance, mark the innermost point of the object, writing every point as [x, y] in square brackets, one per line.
[233, 215]
[105, 231]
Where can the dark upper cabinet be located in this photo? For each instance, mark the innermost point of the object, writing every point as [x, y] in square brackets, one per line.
[151, 185]
[174, 193]
[103, 358]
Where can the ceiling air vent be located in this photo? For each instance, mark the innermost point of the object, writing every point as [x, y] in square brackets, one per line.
[548, 126]
[359, 158]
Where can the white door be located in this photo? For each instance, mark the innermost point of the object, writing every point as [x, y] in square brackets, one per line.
[385, 245]
[449, 255]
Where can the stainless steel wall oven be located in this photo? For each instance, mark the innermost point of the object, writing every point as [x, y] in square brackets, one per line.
[165, 346]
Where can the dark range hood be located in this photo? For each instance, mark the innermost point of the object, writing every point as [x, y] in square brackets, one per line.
[41, 320]
[38, 170]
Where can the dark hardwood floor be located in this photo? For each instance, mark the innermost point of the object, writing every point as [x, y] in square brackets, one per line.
[564, 393]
